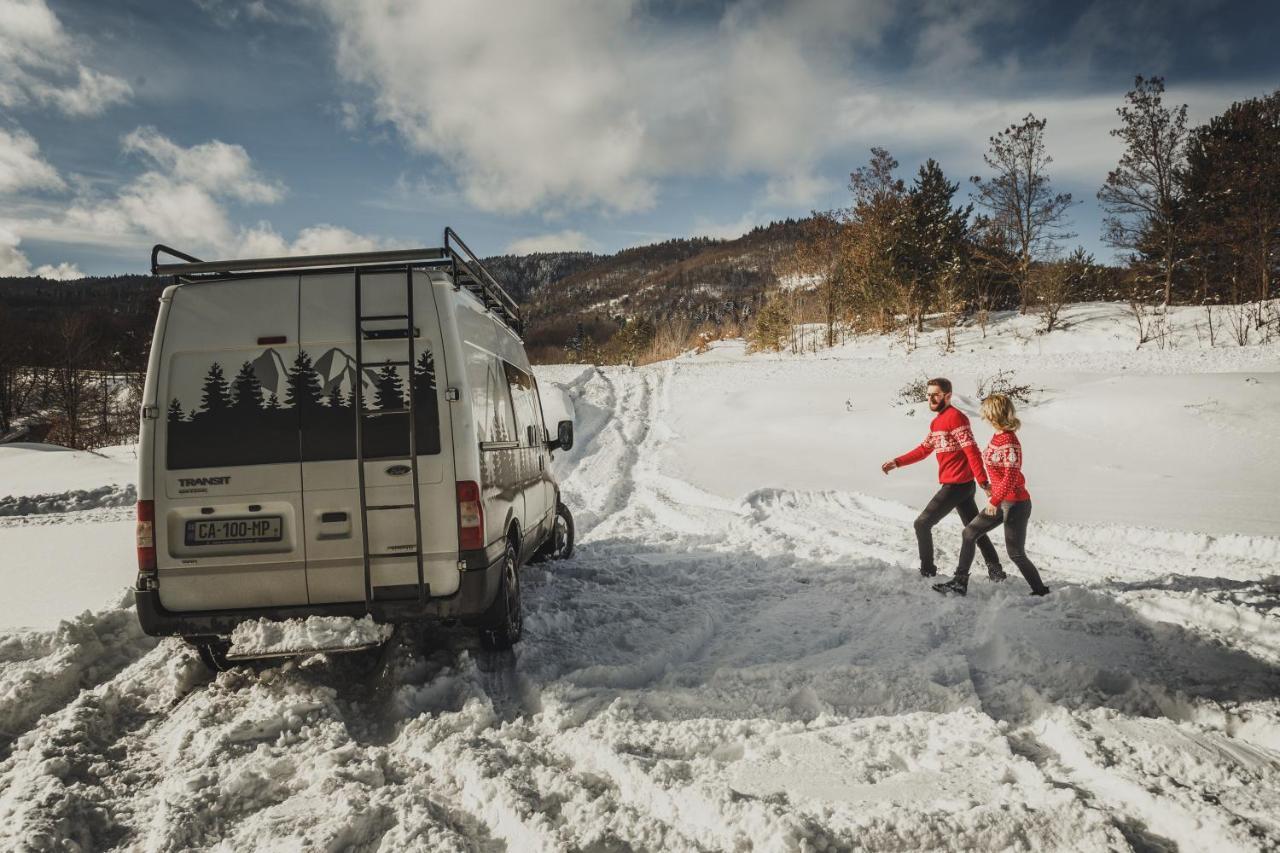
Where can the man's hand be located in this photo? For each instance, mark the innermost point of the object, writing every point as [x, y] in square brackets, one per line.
[989, 510]
[888, 466]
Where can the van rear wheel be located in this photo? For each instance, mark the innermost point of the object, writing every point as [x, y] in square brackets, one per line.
[503, 622]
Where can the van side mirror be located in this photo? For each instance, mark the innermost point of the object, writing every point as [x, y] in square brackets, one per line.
[564, 436]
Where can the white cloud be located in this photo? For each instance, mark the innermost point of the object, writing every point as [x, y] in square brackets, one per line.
[61, 272]
[796, 189]
[576, 103]
[181, 199]
[725, 230]
[22, 167]
[215, 166]
[39, 63]
[13, 262]
[262, 241]
[560, 241]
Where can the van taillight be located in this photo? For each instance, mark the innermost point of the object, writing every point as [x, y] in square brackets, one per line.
[470, 516]
[146, 536]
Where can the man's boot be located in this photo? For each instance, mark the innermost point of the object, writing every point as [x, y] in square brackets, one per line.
[958, 585]
[995, 572]
[928, 571]
[1040, 590]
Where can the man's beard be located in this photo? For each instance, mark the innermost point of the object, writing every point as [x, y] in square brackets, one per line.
[937, 407]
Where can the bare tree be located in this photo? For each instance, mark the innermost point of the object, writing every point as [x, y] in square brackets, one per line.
[1142, 195]
[74, 343]
[820, 257]
[1023, 212]
[1056, 283]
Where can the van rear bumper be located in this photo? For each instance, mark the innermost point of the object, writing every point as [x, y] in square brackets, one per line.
[476, 589]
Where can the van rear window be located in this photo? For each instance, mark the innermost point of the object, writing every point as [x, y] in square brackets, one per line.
[283, 406]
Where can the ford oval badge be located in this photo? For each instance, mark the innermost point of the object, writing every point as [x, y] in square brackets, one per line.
[398, 470]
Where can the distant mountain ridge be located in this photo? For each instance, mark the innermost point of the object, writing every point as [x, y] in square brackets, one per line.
[700, 279]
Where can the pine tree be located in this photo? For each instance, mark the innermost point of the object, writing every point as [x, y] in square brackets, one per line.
[273, 402]
[336, 399]
[175, 411]
[215, 398]
[937, 235]
[302, 384]
[1231, 188]
[246, 390]
[1142, 194]
[389, 389]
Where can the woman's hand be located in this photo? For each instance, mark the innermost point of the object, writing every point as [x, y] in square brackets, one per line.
[990, 510]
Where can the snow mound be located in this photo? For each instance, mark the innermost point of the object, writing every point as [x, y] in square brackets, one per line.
[75, 500]
[266, 637]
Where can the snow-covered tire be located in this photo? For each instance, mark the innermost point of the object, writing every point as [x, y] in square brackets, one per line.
[559, 545]
[503, 622]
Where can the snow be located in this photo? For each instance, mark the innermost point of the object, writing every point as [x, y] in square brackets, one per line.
[740, 655]
[265, 637]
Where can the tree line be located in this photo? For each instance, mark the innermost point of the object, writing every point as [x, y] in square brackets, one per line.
[1194, 210]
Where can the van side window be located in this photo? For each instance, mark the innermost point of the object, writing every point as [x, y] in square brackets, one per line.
[526, 404]
[490, 400]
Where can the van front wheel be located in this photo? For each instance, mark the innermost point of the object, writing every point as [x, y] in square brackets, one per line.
[559, 545]
[502, 623]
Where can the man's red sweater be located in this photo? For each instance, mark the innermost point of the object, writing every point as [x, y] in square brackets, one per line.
[951, 437]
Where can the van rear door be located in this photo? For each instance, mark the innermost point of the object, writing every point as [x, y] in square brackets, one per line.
[332, 524]
[229, 508]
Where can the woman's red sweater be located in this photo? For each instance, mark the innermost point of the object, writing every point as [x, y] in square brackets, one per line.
[1003, 460]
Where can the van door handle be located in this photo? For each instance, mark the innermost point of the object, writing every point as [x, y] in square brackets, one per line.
[333, 524]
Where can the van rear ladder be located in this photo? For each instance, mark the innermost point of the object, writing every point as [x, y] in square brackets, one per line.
[362, 416]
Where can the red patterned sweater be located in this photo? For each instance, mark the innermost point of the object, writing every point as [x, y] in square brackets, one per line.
[958, 459]
[1004, 463]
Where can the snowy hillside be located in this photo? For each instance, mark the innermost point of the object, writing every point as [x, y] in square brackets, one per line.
[740, 655]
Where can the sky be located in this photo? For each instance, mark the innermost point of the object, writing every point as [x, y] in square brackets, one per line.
[241, 128]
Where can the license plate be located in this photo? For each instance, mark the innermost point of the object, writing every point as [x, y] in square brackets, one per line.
[235, 531]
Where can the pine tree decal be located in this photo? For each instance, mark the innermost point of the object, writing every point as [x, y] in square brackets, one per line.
[302, 384]
[215, 398]
[273, 402]
[389, 390]
[175, 411]
[246, 390]
[424, 378]
[336, 400]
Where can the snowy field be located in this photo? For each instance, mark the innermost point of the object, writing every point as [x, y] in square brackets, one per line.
[740, 655]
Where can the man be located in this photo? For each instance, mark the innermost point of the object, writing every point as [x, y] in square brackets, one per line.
[959, 463]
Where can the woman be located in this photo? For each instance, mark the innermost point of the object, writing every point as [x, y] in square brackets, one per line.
[1010, 502]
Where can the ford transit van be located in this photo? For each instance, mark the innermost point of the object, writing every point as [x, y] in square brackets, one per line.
[341, 435]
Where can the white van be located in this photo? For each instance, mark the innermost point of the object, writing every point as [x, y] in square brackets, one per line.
[341, 435]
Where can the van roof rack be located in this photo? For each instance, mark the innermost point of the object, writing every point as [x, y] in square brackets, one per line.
[465, 268]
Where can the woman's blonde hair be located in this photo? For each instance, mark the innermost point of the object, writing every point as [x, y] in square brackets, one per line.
[998, 409]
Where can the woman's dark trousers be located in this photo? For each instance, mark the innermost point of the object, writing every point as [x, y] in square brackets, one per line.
[958, 497]
[1014, 515]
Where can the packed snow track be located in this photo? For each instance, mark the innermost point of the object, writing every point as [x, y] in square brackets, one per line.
[760, 672]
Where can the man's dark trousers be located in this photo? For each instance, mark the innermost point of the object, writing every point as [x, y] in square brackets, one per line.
[957, 496]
